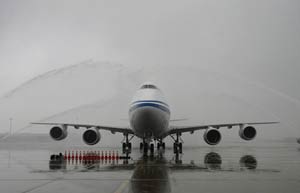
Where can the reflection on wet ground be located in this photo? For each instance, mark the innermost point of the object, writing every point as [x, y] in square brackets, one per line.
[150, 173]
[231, 168]
[211, 161]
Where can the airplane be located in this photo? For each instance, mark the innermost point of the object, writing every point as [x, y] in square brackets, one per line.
[149, 120]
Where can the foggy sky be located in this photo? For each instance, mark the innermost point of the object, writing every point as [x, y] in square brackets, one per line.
[255, 41]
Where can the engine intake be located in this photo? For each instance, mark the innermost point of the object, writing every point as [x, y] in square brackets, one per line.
[212, 136]
[247, 133]
[58, 132]
[91, 136]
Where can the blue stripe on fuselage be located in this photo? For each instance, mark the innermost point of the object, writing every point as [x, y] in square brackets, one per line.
[150, 101]
[149, 104]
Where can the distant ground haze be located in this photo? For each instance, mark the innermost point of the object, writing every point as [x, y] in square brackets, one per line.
[100, 93]
[216, 61]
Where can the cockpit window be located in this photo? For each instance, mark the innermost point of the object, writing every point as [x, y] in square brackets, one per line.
[148, 86]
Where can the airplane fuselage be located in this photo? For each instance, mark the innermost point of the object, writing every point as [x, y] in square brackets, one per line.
[149, 113]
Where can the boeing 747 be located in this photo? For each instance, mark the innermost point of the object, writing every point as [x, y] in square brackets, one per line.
[149, 120]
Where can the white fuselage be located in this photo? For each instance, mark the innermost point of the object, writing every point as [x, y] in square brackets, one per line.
[149, 114]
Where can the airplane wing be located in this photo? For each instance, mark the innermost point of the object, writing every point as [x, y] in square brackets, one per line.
[123, 130]
[182, 129]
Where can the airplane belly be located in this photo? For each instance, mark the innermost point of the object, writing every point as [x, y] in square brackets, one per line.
[149, 122]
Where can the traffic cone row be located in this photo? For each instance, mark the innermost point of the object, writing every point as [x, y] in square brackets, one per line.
[91, 155]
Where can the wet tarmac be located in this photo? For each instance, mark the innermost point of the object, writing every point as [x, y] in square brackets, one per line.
[260, 167]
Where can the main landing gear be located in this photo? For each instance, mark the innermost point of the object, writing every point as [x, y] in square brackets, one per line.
[161, 145]
[144, 146]
[126, 146]
[177, 146]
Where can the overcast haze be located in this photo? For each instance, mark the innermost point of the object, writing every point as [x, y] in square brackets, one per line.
[253, 45]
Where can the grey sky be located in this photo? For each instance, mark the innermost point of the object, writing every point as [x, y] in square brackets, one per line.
[256, 39]
[247, 43]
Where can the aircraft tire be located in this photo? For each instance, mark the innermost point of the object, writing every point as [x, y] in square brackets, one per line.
[141, 145]
[163, 145]
[152, 148]
[146, 148]
[180, 148]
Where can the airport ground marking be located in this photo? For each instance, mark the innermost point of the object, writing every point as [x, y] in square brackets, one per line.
[122, 187]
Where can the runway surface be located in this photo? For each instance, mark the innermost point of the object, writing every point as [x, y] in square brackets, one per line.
[236, 167]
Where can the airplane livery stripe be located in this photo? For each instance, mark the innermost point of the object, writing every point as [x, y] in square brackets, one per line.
[158, 106]
[150, 101]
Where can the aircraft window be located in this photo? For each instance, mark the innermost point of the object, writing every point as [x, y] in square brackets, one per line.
[148, 86]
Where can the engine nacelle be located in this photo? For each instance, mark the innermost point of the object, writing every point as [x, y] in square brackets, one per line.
[91, 136]
[247, 132]
[212, 136]
[58, 132]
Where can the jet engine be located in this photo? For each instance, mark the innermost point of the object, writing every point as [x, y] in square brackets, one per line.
[247, 132]
[91, 136]
[58, 132]
[212, 136]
